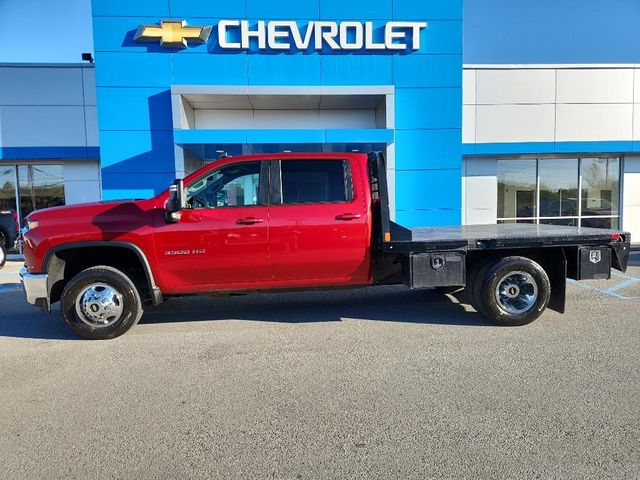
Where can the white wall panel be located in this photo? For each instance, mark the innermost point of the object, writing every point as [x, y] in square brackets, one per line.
[499, 87]
[631, 197]
[89, 83]
[468, 87]
[40, 86]
[515, 123]
[347, 119]
[81, 181]
[79, 171]
[468, 124]
[227, 119]
[91, 126]
[480, 191]
[294, 119]
[82, 192]
[636, 88]
[636, 122]
[43, 126]
[594, 122]
[595, 85]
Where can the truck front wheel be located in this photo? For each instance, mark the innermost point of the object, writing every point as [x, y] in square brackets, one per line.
[101, 303]
[513, 292]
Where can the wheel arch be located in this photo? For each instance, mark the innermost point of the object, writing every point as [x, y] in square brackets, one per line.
[57, 264]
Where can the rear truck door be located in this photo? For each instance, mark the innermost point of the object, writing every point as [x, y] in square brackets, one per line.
[221, 240]
[319, 225]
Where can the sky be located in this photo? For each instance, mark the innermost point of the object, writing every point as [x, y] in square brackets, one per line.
[495, 31]
[31, 30]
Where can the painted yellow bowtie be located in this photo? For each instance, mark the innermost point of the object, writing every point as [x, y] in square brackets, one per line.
[172, 33]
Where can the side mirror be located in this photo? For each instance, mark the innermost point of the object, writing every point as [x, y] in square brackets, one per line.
[176, 202]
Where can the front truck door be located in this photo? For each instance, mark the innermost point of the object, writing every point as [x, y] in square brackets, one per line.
[221, 240]
[319, 227]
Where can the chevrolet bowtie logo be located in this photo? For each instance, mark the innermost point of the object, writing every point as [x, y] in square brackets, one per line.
[172, 33]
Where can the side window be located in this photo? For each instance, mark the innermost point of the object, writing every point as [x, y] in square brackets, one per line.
[234, 185]
[316, 181]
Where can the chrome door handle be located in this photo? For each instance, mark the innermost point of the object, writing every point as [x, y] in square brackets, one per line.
[249, 221]
[348, 216]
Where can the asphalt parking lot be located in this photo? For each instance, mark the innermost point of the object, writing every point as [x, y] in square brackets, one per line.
[373, 383]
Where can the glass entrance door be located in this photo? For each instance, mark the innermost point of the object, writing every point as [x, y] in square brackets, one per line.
[28, 187]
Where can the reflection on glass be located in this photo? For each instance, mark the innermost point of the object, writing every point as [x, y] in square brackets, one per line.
[41, 186]
[601, 222]
[516, 188]
[558, 187]
[600, 186]
[570, 222]
[8, 188]
[526, 220]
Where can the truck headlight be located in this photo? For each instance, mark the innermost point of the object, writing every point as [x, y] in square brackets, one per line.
[31, 224]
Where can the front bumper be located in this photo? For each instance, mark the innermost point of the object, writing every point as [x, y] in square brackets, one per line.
[36, 288]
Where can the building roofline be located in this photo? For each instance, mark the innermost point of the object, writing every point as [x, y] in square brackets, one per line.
[541, 66]
[46, 65]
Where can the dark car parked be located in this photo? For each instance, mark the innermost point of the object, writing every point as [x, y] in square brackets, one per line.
[8, 233]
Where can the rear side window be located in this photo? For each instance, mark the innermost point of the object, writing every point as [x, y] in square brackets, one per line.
[316, 181]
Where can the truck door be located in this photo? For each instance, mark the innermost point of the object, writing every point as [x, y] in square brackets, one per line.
[319, 224]
[221, 240]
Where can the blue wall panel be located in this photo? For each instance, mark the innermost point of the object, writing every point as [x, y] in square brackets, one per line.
[428, 189]
[134, 81]
[284, 69]
[132, 70]
[221, 69]
[357, 70]
[428, 108]
[137, 152]
[130, 8]
[209, 8]
[427, 71]
[431, 10]
[360, 10]
[283, 9]
[428, 149]
[428, 218]
[134, 109]
[441, 37]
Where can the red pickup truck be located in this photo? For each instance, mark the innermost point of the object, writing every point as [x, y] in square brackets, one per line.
[291, 221]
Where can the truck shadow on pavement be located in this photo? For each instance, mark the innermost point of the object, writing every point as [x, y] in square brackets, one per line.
[389, 304]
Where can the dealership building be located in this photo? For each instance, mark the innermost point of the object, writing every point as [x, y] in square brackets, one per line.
[469, 138]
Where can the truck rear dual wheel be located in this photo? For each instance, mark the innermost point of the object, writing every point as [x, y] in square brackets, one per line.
[101, 303]
[513, 291]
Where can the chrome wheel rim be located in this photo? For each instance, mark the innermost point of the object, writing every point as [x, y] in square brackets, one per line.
[99, 305]
[516, 292]
[2, 255]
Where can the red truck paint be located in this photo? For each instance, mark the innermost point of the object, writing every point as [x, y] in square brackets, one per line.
[231, 248]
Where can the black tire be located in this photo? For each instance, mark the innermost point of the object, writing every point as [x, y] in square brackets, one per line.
[535, 280]
[128, 300]
[475, 275]
[3, 253]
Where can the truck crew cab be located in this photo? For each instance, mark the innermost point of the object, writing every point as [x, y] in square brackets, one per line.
[291, 221]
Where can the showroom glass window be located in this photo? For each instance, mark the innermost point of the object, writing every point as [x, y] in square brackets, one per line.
[40, 186]
[560, 191]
